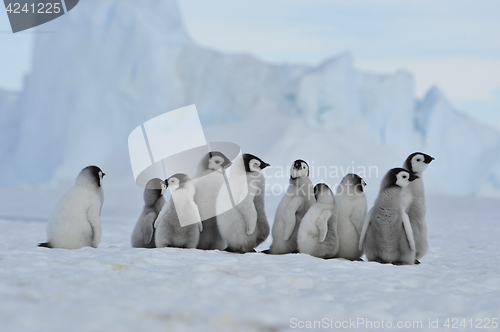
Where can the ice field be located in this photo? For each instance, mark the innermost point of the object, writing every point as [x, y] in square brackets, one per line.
[119, 288]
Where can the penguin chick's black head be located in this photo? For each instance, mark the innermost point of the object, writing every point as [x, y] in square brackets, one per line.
[247, 158]
[319, 188]
[154, 184]
[225, 161]
[355, 180]
[95, 174]
[394, 175]
[426, 159]
[298, 164]
[154, 189]
[179, 176]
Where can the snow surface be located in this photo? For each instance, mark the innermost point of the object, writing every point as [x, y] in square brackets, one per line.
[114, 64]
[119, 288]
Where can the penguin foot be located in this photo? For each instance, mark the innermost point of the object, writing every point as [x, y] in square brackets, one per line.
[267, 251]
[233, 251]
[397, 263]
[359, 260]
[417, 262]
[236, 251]
[45, 245]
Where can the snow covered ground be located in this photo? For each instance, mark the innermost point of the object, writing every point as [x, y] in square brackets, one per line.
[119, 288]
[114, 64]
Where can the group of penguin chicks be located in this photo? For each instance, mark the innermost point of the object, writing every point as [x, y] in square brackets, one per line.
[309, 219]
[338, 226]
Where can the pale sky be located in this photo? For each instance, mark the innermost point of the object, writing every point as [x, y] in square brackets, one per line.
[454, 44]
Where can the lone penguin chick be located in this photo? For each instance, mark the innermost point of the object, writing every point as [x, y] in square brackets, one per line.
[414, 201]
[208, 181]
[244, 226]
[298, 199]
[180, 210]
[387, 236]
[352, 206]
[76, 221]
[143, 235]
[318, 230]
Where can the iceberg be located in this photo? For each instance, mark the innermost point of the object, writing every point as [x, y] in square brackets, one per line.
[114, 64]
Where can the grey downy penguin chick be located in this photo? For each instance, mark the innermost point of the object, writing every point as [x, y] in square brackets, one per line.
[180, 210]
[317, 234]
[414, 201]
[208, 181]
[244, 226]
[143, 234]
[76, 221]
[352, 206]
[298, 199]
[386, 235]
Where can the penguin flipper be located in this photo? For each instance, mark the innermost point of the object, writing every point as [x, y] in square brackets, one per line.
[408, 231]
[364, 229]
[289, 218]
[45, 245]
[247, 209]
[197, 217]
[322, 224]
[163, 211]
[357, 219]
[94, 218]
[147, 227]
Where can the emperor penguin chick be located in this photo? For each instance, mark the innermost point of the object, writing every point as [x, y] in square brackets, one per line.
[317, 234]
[352, 206]
[387, 236]
[76, 221]
[244, 226]
[414, 200]
[298, 199]
[179, 211]
[209, 179]
[143, 235]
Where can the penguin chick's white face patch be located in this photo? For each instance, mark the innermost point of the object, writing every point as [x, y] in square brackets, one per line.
[301, 172]
[101, 175]
[418, 163]
[163, 188]
[173, 184]
[254, 165]
[403, 179]
[357, 190]
[215, 163]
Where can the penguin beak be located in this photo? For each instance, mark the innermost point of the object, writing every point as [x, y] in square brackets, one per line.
[413, 177]
[166, 183]
[264, 165]
[429, 159]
